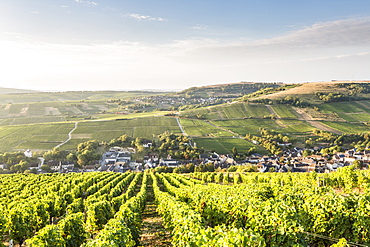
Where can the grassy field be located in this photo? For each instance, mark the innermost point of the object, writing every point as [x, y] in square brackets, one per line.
[348, 127]
[47, 136]
[224, 145]
[346, 107]
[43, 120]
[247, 126]
[35, 136]
[229, 111]
[294, 127]
[347, 117]
[140, 127]
[284, 111]
[193, 127]
[71, 96]
[361, 117]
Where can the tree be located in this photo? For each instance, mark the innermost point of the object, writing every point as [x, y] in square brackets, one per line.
[46, 168]
[21, 167]
[55, 154]
[357, 164]
[86, 157]
[306, 152]
[71, 157]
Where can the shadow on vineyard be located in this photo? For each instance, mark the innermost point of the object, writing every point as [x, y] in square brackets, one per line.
[152, 231]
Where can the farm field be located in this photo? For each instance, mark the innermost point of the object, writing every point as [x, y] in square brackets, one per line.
[346, 107]
[348, 127]
[34, 136]
[228, 111]
[107, 130]
[199, 209]
[246, 126]
[194, 127]
[284, 111]
[48, 135]
[102, 118]
[294, 127]
[224, 145]
[71, 96]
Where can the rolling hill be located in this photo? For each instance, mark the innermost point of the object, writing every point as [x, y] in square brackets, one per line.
[15, 91]
[216, 117]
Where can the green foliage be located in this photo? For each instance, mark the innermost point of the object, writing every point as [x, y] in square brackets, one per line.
[87, 152]
[50, 235]
[2, 224]
[115, 233]
[73, 229]
[177, 146]
[97, 215]
[293, 101]
[21, 222]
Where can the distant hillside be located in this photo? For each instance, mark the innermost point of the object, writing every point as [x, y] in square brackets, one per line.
[325, 92]
[229, 90]
[14, 90]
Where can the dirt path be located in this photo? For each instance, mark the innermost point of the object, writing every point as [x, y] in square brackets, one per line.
[69, 136]
[272, 111]
[152, 231]
[304, 116]
[180, 126]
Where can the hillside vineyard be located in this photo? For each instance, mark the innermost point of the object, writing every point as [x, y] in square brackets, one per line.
[200, 209]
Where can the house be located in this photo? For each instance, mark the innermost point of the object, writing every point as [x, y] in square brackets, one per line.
[28, 153]
[169, 162]
[147, 143]
[123, 157]
[203, 157]
[153, 157]
[89, 168]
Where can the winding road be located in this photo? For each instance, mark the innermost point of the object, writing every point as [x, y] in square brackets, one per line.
[69, 136]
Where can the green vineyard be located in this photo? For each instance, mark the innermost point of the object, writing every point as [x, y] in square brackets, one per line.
[199, 209]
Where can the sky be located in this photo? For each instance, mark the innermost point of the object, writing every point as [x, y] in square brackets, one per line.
[69, 45]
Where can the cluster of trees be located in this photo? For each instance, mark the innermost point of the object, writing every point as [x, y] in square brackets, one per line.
[239, 156]
[334, 97]
[177, 146]
[17, 161]
[264, 101]
[355, 88]
[86, 153]
[269, 140]
[359, 141]
[362, 142]
[288, 100]
[273, 88]
[293, 100]
[269, 145]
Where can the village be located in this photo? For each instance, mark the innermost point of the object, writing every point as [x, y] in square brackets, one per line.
[119, 159]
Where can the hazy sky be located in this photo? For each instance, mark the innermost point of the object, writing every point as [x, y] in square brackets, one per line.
[173, 44]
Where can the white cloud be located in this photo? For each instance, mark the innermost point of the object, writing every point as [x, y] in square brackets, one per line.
[35, 12]
[334, 33]
[140, 17]
[199, 27]
[321, 52]
[86, 2]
